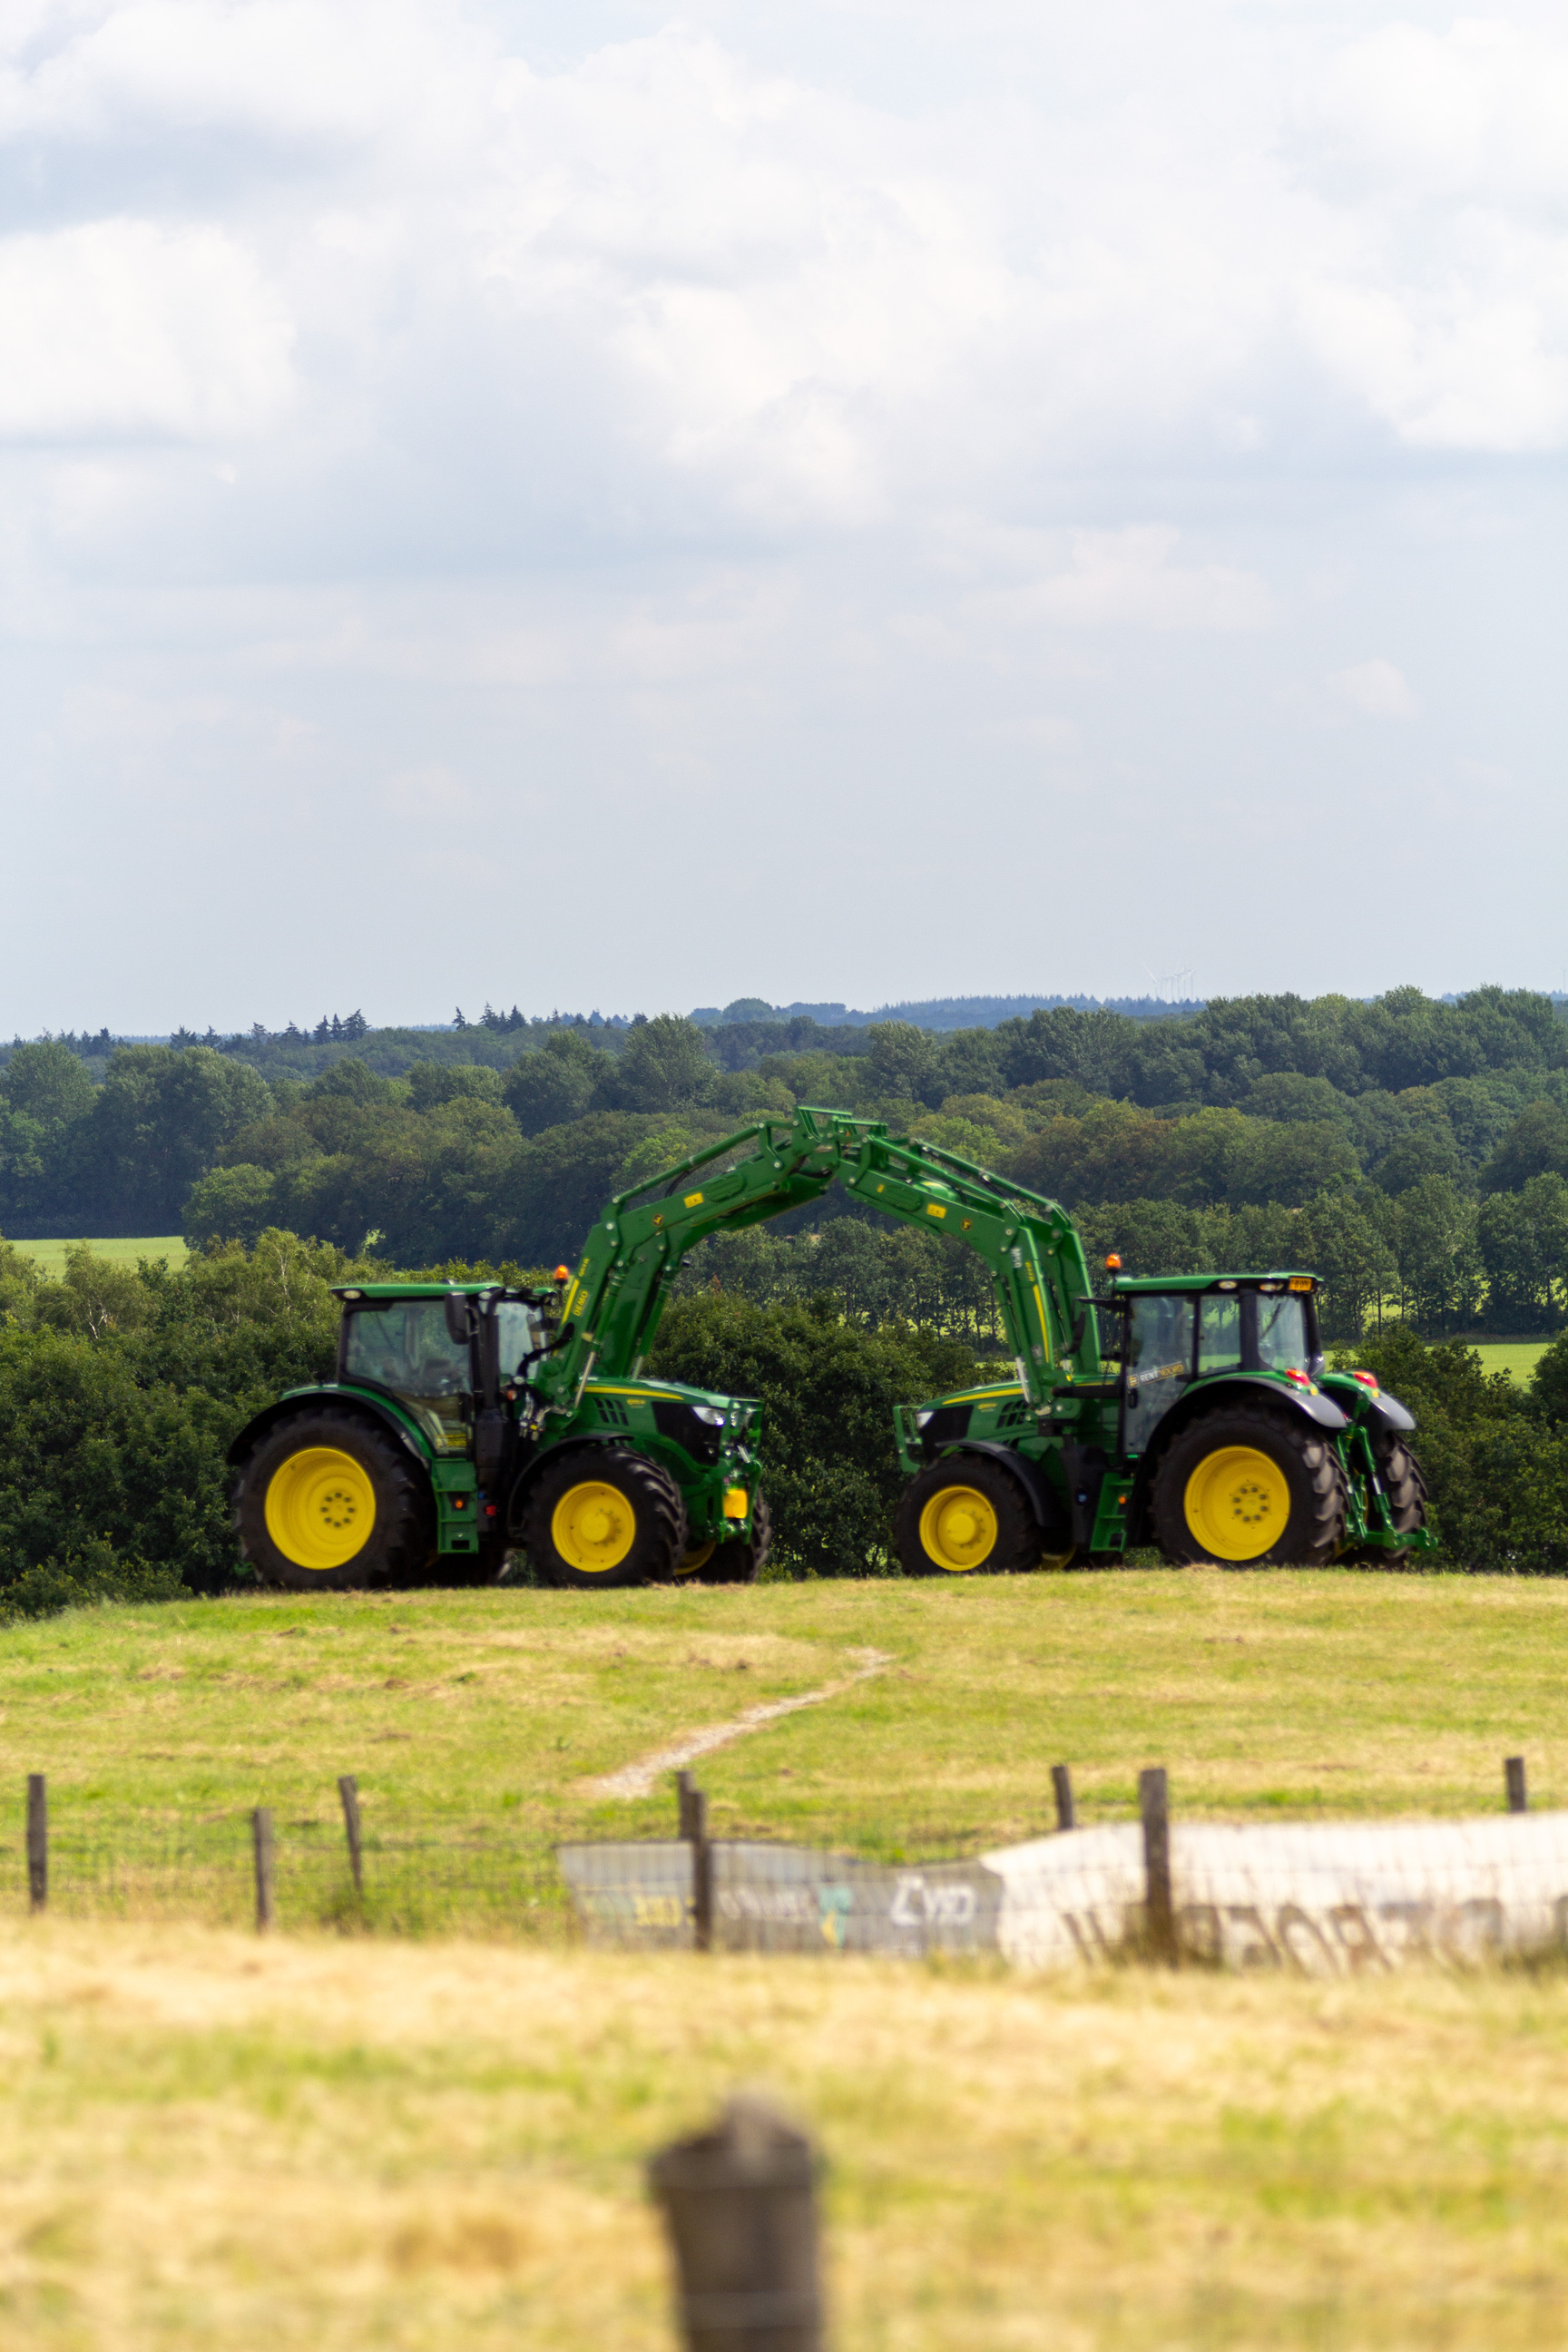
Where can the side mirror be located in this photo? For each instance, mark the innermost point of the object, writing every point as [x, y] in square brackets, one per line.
[459, 1319]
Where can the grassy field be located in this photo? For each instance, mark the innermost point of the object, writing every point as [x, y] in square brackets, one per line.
[50, 1256]
[345, 2146]
[349, 2143]
[1517, 1357]
[1286, 1694]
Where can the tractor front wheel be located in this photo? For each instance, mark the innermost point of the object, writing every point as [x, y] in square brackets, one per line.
[1241, 1487]
[738, 1559]
[328, 1502]
[966, 1512]
[605, 1517]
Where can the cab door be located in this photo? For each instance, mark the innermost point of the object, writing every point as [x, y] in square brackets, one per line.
[1157, 1363]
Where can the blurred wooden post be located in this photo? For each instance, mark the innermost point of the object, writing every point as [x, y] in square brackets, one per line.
[694, 1830]
[1061, 1781]
[740, 2202]
[348, 1790]
[1159, 1911]
[1513, 1781]
[38, 1842]
[261, 1839]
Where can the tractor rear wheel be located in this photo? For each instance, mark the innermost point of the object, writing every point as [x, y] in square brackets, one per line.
[329, 1502]
[1243, 1486]
[737, 1561]
[966, 1512]
[605, 1516]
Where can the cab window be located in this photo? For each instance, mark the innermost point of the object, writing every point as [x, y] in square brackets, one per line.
[1159, 1352]
[519, 1330]
[405, 1346]
[1219, 1330]
[1282, 1334]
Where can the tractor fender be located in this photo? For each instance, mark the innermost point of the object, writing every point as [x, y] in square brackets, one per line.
[256, 1429]
[1314, 1404]
[1044, 1501]
[1388, 1411]
[1195, 1403]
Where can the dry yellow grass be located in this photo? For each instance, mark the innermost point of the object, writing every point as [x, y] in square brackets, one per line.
[212, 2142]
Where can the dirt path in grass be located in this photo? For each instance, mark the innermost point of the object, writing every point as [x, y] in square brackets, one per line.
[638, 1780]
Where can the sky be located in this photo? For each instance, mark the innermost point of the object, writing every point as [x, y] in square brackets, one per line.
[590, 506]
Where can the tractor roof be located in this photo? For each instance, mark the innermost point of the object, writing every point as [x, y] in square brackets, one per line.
[1141, 1285]
[412, 1289]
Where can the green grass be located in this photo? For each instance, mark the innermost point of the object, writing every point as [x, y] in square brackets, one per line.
[353, 2143]
[50, 1256]
[1517, 1357]
[1273, 1693]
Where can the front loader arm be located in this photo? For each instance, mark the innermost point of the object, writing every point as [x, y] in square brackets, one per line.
[618, 1294]
[1030, 1244]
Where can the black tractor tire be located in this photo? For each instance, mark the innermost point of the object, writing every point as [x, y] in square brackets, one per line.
[739, 1560]
[966, 1513]
[313, 1483]
[1406, 1488]
[620, 1518]
[1243, 1488]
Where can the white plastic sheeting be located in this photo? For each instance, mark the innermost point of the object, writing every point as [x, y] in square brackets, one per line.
[1330, 1899]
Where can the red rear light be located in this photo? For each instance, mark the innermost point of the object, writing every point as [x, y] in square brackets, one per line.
[1367, 1379]
[1302, 1380]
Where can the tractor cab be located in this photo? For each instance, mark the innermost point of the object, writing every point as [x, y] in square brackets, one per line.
[1168, 1333]
[405, 1339]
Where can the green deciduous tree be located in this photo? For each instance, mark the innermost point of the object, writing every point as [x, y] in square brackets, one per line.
[557, 1084]
[156, 1125]
[663, 1066]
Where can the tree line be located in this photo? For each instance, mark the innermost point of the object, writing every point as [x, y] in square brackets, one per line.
[1439, 1198]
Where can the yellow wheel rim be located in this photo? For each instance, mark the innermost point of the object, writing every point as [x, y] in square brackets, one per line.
[958, 1529]
[1238, 1503]
[319, 1507]
[594, 1527]
[698, 1559]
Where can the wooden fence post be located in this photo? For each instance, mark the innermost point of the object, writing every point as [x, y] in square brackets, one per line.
[740, 2202]
[694, 1830]
[1061, 1781]
[1159, 1911]
[261, 1840]
[38, 1842]
[1513, 1781]
[348, 1790]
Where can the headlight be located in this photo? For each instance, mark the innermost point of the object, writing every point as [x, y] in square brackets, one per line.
[711, 1414]
[921, 1419]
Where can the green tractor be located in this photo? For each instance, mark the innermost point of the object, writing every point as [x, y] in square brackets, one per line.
[444, 1442]
[1191, 1412]
[1208, 1428]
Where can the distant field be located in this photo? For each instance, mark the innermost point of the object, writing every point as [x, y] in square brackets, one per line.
[51, 1255]
[1517, 1357]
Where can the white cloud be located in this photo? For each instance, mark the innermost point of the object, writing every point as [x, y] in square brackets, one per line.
[121, 329]
[1126, 579]
[1377, 690]
[810, 401]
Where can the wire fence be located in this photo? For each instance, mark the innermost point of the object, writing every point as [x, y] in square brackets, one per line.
[493, 1870]
[1326, 1897]
[420, 1873]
